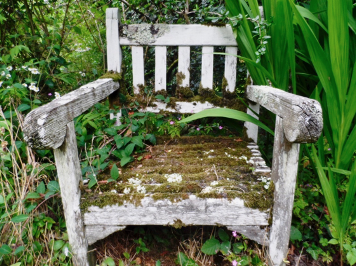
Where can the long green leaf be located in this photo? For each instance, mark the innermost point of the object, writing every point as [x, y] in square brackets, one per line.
[349, 199]
[309, 15]
[227, 113]
[332, 200]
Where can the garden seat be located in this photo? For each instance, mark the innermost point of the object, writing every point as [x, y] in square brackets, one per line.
[225, 183]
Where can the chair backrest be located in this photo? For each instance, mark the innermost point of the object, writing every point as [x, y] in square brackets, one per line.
[162, 35]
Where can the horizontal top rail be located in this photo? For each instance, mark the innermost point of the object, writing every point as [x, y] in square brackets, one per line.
[302, 117]
[177, 35]
[45, 126]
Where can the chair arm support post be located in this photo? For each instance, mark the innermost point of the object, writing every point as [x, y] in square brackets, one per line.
[45, 127]
[284, 176]
[69, 177]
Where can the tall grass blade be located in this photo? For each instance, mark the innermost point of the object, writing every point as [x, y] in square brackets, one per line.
[349, 200]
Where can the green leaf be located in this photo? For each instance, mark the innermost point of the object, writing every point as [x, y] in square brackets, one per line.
[351, 256]
[111, 131]
[227, 113]
[114, 173]
[41, 188]
[129, 149]
[182, 259]
[108, 262]
[160, 97]
[223, 235]
[333, 241]
[2, 199]
[16, 264]
[158, 263]
[121, 263]
[137, 140]
[23, 107]
[237, 247]
[33, 195]
[225, 247]
[314, 253]
[5, 250]
[125, 160]
[211, 246]
[19, 218]
[53, 186]
[58, 244]
[295, 234]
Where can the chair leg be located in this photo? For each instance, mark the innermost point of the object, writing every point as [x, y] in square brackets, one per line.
[69, 177]
[284, 175]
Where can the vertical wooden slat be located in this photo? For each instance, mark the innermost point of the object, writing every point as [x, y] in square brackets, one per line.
[284, 175]
[69, 177]
[138, 69]
[252, 129]
[184, 64]
[114, 54]
[207, 65]
[230, 68]
[161, 67]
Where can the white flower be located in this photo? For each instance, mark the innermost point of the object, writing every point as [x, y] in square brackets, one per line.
[34, 88]
[207, 189]
[1, 83]
[266, 180]
[83, 74]
[46, 2]
[57, 95]
[24, 84]
[34, 71]
[127, 190]
[9, 68]
[214, 183]
[113, 191]
[173, 178]
[24, 67]
[2, 73]
[141, 189]
[8, 76]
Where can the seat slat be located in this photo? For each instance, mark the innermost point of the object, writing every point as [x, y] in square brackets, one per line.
[184, 64]
[207, 66]
[138, 70]
[177, 35]
[230, 68]
[160, 68]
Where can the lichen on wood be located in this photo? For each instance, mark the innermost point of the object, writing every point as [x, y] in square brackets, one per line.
[144, 33]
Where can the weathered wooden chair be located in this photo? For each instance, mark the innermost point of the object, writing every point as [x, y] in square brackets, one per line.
[298, 120]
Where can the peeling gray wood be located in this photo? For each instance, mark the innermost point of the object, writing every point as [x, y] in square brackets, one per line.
[230, 68]
[251, 128]
[184, 64]
[114, 54]
[98, 232]
[160, 68]
[192, 211]
[181, 107]
[302, 117]
[176, 35]
[284, 175]
[69, 177]
[45, 127]
[255, 233]
[207, 67]
[138, 68]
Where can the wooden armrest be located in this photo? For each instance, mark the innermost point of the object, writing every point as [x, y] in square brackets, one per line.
[45, 127]
[302, 117]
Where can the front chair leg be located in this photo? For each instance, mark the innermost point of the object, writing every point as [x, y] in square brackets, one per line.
[284, 176]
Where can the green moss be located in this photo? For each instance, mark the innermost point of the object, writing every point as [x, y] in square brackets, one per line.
[112, 75]
[178, 224]
[199, 161]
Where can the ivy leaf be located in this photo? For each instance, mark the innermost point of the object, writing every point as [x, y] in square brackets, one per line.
[295, 234]
[114, 172]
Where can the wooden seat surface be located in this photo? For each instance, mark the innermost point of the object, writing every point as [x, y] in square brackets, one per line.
[200, 180]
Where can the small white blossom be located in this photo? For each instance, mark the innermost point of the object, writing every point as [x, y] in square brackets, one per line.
[2, 73]
[57, 95]
[141, 189]
[24, 84]
[83, 74]
[34, 70]
[173, 178]
[24, 67]
[113, 191]
[9, 68]
[46, 2]
[127, 190]
[34, 88]
[8, 76]
[266, 180]
[1, 83]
